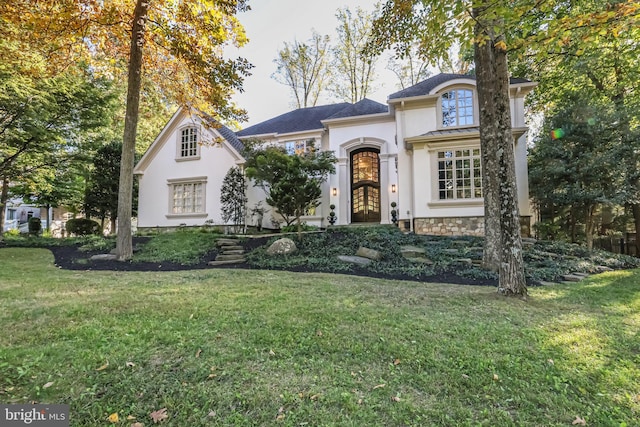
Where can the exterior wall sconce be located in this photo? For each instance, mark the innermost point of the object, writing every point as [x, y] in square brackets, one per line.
[393, 188]
[334, 191]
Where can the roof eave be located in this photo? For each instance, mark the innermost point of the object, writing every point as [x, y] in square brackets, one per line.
[411, 99]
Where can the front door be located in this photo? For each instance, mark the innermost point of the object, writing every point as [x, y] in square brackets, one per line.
[365, 186]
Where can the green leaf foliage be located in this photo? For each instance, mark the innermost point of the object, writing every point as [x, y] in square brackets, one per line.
[292, 182]
[233, 197]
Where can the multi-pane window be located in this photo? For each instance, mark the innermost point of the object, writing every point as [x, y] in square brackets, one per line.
[298, 147]
[187, 198]
[459, 174]
[365, 167]
[457, 108]
[189, 142]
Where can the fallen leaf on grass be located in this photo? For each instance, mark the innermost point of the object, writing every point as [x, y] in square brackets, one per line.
[131, 417]
[280, 416]
[465, 376]
[47, 385]
[395, 399]
[396, 362]
[212, 414]
[379, 386]
[272, 353]
[579, 421]
[198, 353]
[314, 397]
[130, 364]
[550, 361]
[159, 415]
[113, 418]
[496, 377]
[103, 367]
[319, 333]
[359, 401]
[137, 425]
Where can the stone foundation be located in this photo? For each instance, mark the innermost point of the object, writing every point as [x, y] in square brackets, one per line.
[461, 226]
[453, 226]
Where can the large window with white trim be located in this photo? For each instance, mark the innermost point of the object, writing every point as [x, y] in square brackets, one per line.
[189, 146]
[459, 174]
[187, 198]
[457, 108]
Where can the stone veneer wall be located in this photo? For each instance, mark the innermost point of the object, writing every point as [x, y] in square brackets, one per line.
[461, 226]
[453, 226]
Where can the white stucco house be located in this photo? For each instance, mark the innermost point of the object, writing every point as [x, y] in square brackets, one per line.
[421, 150]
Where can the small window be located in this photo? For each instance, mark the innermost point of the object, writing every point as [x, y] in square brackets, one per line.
[187, 198]
[459, 174]
[188, 143]
[299, 148]
[457, 108]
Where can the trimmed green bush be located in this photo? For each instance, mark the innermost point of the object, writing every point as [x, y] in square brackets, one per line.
[83, 227]
[35, 226]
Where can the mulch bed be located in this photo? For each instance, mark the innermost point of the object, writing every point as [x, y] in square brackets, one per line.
[71, 258]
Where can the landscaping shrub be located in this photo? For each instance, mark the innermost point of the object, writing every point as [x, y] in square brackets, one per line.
[96, 243]
[35, 226]
[83, 227]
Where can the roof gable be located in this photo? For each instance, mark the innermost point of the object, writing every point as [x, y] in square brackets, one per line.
[213, 125]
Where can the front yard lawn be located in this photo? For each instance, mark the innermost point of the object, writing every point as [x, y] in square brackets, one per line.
[254, 347]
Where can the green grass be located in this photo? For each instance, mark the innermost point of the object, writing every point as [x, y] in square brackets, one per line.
[234, 347]
[182, 247]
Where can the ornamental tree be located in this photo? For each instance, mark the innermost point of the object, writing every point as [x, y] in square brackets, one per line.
[291, 182]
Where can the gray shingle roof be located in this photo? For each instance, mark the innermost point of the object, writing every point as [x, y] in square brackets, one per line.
[361, 108]
[302, 119]
[231, 137]
[226, 133]
[426, 86]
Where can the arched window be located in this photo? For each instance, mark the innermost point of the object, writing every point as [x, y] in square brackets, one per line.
[457, 108]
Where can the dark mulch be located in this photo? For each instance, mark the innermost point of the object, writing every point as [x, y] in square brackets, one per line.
[71, 258]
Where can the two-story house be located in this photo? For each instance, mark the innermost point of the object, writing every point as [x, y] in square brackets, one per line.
[421, 150]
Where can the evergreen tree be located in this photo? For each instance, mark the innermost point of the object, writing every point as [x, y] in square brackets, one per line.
[233, 197]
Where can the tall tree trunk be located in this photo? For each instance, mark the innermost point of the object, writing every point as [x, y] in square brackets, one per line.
[4, 196]
[124, 244]
[496, 139]
[635, 208]
[490, 184]
[589, 225]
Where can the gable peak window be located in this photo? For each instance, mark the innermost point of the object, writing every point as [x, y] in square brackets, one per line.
[457, 108]
[188, 143]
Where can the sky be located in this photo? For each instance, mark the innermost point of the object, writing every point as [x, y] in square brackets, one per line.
[268, 25]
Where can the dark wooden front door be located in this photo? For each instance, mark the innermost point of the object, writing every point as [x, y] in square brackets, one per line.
[365, 186]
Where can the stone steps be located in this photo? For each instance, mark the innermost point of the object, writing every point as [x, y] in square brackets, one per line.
[230, 253]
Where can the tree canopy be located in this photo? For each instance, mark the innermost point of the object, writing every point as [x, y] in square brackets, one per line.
[353, 65]
[304, 67]
[292, 182]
